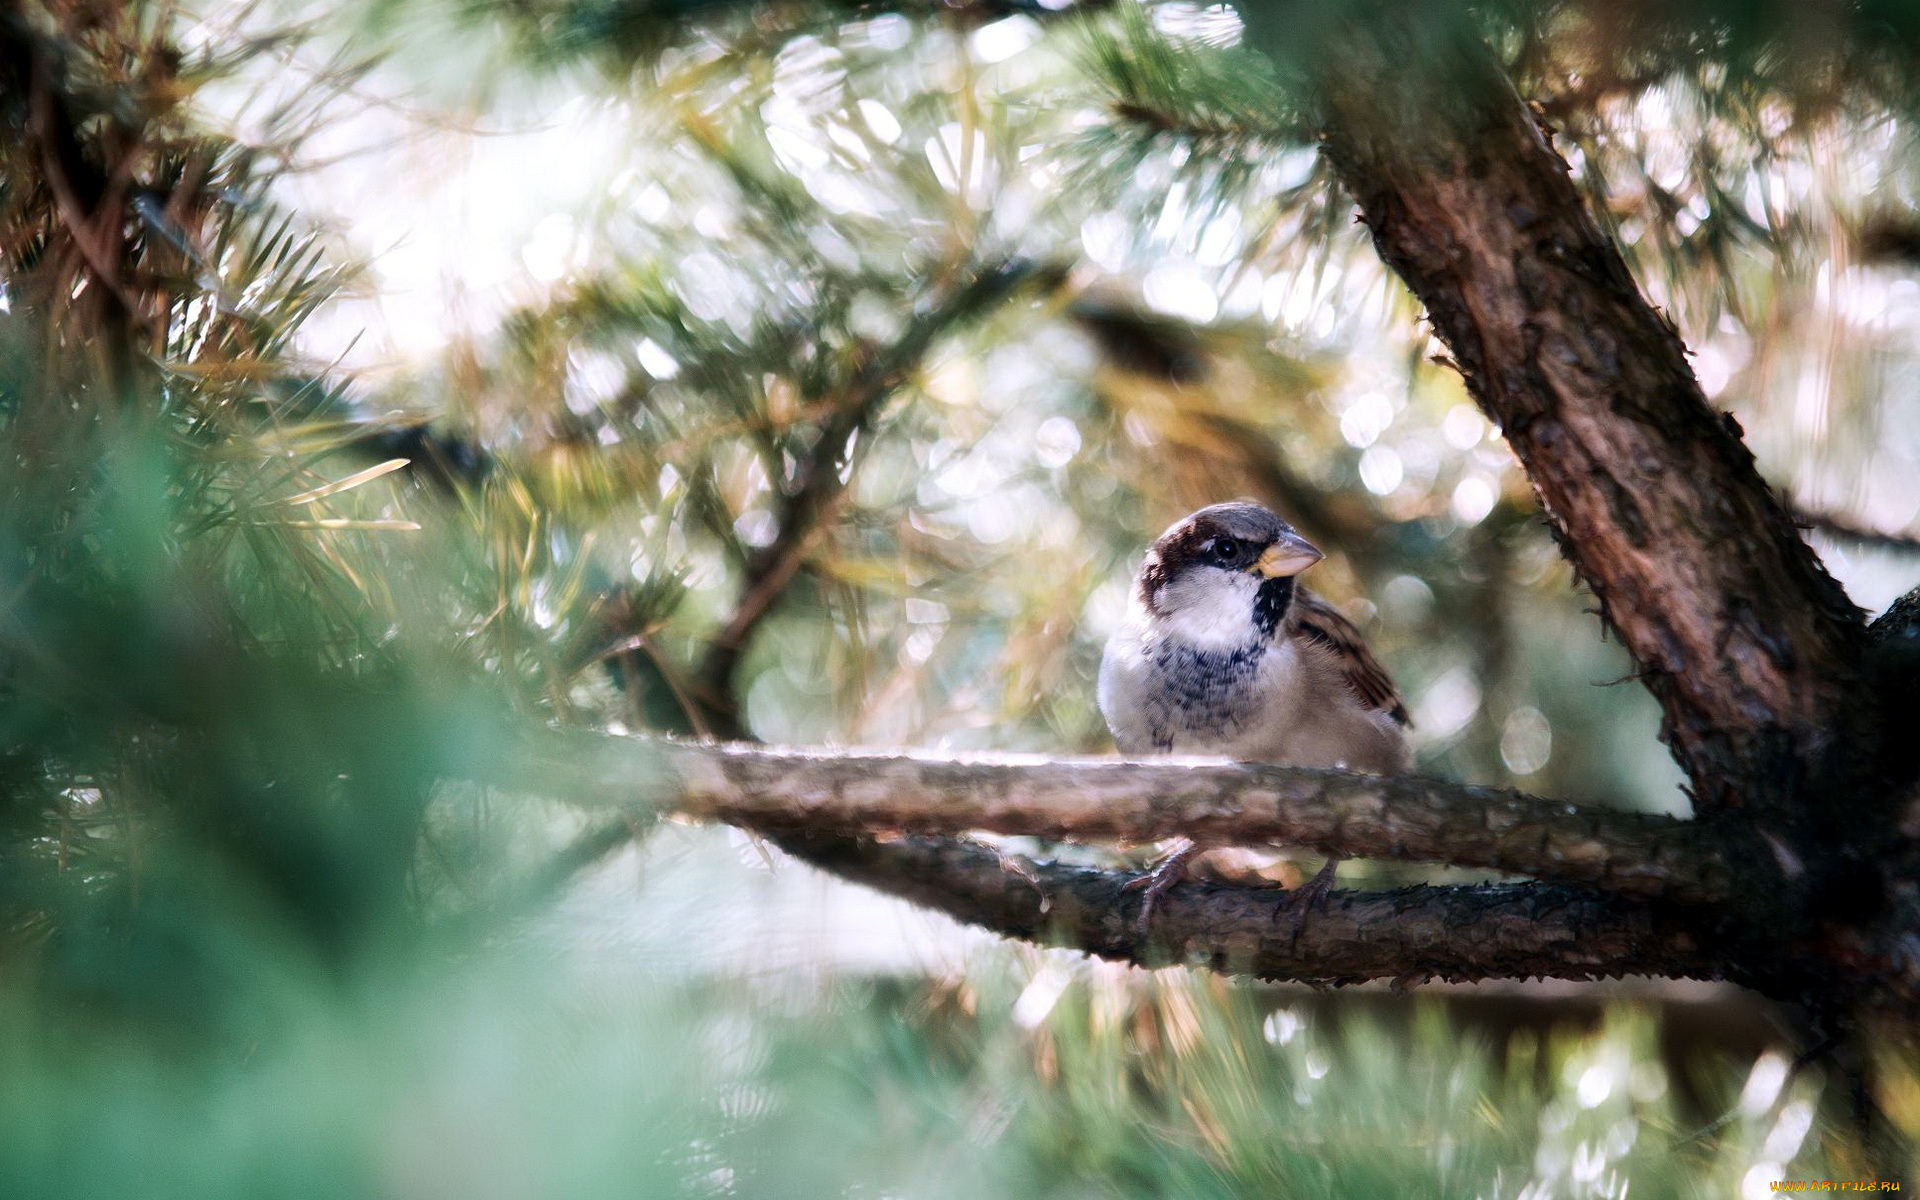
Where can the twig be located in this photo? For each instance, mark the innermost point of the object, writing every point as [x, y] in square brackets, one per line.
[1847, 529]
[817, 489]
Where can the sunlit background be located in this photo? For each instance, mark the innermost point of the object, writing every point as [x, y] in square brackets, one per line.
[952, 311]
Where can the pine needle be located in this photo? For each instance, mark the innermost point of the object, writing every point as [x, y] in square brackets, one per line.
[353, 523]
[351, 481]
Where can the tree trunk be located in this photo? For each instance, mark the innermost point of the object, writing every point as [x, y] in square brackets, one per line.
[1757, 657]
[1750, 647]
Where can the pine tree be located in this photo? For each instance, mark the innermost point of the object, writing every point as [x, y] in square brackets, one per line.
[838, 422]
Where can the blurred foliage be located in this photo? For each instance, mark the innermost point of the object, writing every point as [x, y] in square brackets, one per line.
[1038, 1079]
[841, 361]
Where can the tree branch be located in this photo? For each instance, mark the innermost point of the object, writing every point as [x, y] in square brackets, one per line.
[826, 808]
[1847, 529]
[1747, 643]
[1409, 935]
[812, 496]
[1213, 802]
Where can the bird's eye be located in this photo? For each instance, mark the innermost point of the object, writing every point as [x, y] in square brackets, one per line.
[1226, 550]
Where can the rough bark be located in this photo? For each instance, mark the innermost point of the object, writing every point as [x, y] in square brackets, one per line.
[1896, 678]
[1748, 644]
[1214, 802]
[1408, 935]
[1775, 703]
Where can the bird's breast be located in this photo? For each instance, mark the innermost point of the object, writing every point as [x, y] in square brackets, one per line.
[1270, 702]
[1165, 695]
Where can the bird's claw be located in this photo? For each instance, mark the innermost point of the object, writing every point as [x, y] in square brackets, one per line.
[1155, 882]
[1315, 892]
[1310, 897]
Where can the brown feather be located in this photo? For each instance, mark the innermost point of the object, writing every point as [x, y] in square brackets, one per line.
[1322, 624]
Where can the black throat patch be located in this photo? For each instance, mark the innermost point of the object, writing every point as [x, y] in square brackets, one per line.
[1270, 605]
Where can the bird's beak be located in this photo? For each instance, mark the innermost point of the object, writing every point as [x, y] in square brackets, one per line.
[1290, 555]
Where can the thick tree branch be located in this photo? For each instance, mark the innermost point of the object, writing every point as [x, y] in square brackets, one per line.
[1645, 907]
[1747, 643]
[1213, 802]
[1409, 935]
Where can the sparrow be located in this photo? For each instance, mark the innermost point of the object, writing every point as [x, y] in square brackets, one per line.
[1223, 652]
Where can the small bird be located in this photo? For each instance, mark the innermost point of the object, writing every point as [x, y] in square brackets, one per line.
[1222, 652]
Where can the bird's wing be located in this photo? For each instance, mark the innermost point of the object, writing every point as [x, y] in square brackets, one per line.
[1322, 624]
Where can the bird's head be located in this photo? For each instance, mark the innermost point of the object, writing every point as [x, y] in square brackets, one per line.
[1223, 576]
